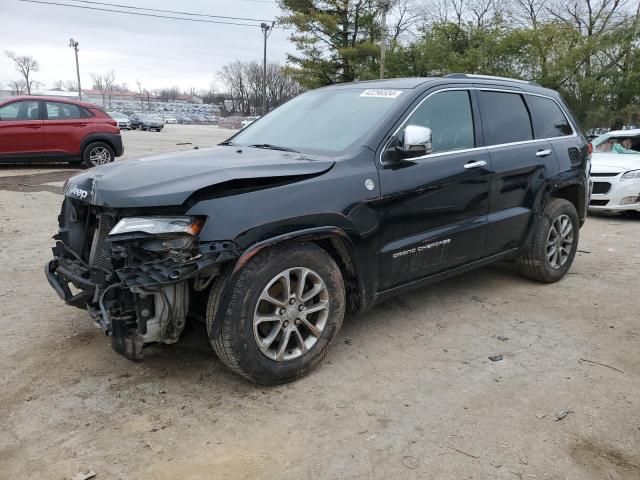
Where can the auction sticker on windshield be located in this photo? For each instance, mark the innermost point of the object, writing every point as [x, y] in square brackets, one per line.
[381, 93]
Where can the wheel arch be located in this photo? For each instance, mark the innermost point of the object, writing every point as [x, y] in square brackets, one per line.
[574, 193]
[336, 242]
[93, 138]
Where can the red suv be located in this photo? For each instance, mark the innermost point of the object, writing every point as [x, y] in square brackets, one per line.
[51, 129]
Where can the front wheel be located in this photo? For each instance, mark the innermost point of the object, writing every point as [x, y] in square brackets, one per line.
[283, 310]
[553, 248]
[97, 153]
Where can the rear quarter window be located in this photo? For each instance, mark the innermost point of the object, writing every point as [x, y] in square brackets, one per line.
[549, 120]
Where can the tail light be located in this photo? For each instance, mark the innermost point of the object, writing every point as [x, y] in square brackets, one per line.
[590, 148]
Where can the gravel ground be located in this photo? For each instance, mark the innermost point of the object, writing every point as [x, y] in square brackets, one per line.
[407, 392]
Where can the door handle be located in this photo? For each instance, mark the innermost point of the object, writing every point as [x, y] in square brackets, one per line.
[33, 127]
[543, 153]
[478, 164]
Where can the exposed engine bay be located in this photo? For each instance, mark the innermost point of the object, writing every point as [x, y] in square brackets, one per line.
[133, 274]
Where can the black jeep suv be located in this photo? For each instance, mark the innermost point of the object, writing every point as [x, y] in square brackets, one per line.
[338, 199]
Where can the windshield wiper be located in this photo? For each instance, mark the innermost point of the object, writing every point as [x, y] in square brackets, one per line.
[268, 146]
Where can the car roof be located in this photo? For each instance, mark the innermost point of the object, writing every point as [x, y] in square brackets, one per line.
[462, 78]
[615, 134]
[412, 82]
[623, 133]
[52, 99]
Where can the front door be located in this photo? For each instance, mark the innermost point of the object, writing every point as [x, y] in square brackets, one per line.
[433, 210]
[21, 129]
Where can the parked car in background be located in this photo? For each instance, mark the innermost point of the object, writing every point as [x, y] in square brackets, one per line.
[183, 119]
[48, 129]
[336, 200]
[150, 122]
[123, 121]
[615, 171]
[248, 121]
[170, 119]
[135, 121]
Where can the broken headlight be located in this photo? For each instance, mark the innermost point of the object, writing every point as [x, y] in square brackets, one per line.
[159, 225]
[160, 233]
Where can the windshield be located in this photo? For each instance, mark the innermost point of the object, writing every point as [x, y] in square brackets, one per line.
[322, 121]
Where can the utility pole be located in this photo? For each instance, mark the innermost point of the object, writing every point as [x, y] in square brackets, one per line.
[383, 40]
[73, 44]
[266, 31]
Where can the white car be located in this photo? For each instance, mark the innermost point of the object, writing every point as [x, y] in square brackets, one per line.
[248, 121]
[170, 119]
[616, 176]
[124, 123]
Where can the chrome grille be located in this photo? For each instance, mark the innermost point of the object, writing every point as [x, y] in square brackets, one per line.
[100, 255]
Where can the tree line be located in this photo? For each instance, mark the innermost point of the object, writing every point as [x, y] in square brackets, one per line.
[585, 49]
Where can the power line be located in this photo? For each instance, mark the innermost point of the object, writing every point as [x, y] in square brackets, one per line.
[140, 14]
[119, 5]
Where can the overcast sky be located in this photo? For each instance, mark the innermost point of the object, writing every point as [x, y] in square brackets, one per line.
[156, 51]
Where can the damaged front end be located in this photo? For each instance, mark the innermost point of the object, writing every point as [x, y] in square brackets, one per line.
[134, 274]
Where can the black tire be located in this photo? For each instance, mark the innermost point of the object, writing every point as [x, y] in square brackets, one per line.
[91, 148]
[231, 331]
[534, 262]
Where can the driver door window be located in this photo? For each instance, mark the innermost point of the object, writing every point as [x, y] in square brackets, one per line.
[448, 115]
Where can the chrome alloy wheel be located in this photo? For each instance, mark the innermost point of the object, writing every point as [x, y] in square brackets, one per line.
[99, 156]
[291, 314]
[559, 241]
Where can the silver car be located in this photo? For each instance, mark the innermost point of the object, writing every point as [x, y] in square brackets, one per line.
[124, 123]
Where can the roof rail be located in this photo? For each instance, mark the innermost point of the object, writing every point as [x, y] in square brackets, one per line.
[489, 77]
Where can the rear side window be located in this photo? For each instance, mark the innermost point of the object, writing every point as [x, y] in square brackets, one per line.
[548, 119]
[63, 111]
[505, 118]
[448, 115]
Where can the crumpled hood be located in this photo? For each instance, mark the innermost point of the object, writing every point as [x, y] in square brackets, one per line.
[169, 179]
[621, 161]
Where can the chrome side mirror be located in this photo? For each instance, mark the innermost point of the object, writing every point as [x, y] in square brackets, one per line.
[416, 141]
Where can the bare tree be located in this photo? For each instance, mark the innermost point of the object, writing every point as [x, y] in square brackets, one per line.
[243, 81]
[104, 83]
[58, 85]
[404, 18]
[26, 65]
[71, 85]
[17, 87]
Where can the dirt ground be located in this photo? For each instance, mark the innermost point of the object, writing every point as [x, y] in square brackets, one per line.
[407, 391]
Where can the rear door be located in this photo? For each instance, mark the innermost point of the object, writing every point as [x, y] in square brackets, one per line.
[433, 210]
[521, 164]
[21, 129]
[65, 126]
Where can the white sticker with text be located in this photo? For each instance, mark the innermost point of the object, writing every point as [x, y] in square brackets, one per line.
[381, 93]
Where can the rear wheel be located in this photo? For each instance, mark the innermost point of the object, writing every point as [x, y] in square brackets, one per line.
[554, 245]
[97, 153]
[284, 309]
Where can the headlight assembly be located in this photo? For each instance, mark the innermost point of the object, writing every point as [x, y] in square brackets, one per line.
[631, 175]
[159, 225]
